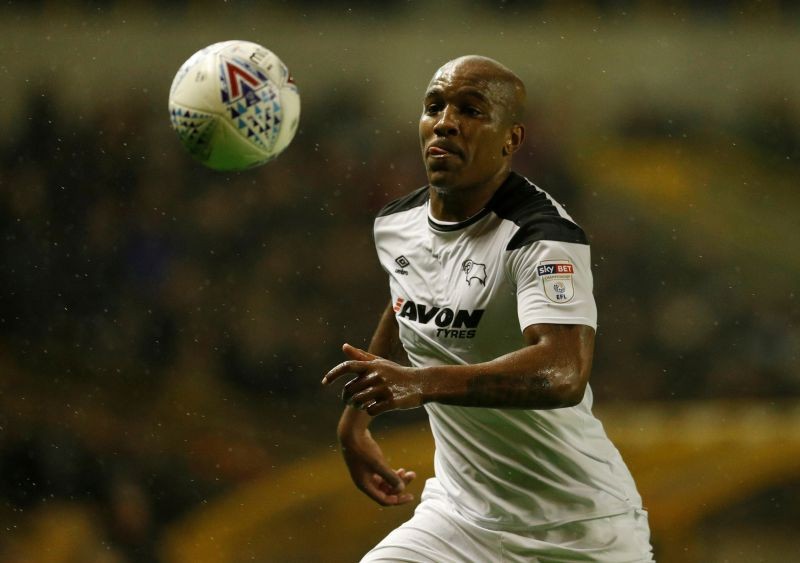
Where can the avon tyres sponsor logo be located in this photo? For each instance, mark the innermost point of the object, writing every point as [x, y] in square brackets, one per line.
[450, 324]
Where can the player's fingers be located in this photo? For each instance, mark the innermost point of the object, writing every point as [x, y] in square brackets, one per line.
[381, 405]
[358, 384]
[357, 353]
[350, 366]
[404, 498]
[394, 500]
[364, 398]
[376, 492]
[406, 476]
[388, 495]
[389, 499]
[383, 486]
[365, 390]
[380, 491]
[385, 478]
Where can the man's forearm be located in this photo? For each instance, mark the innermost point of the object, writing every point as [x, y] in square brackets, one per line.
[547, 374]
[550, 372]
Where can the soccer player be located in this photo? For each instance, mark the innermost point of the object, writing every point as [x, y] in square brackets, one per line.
[491, 300]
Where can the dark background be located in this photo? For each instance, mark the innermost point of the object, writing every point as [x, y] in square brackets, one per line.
[163, 327]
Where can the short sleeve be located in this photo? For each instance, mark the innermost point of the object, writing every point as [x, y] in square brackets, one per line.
[553, 283]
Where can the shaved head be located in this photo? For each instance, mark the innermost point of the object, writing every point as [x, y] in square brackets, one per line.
[470, 127]
[500, 82]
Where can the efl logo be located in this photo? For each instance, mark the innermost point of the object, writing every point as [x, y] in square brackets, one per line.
[555, 268]
[556, 278]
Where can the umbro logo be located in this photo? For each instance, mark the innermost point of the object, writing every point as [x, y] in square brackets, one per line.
[403, 262]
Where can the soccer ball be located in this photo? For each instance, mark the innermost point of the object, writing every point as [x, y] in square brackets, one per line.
[234, 105]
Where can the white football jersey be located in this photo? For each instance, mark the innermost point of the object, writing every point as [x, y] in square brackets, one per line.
[463, 293]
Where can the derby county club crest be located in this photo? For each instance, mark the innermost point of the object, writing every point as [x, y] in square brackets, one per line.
[474, 271]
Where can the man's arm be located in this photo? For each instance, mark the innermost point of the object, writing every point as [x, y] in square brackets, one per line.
[384, 344]
[551, 371]
[385, 341]
[363, 456]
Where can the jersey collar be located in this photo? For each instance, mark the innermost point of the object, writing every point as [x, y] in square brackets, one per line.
[444, 226]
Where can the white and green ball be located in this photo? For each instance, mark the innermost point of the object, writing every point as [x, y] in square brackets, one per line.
[234, 105]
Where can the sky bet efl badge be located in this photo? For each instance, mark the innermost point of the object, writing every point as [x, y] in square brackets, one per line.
[556, 276]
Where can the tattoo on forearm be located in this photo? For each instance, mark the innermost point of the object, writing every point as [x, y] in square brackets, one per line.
[511, 390]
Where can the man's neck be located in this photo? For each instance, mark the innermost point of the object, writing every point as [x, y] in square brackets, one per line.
[461, 203]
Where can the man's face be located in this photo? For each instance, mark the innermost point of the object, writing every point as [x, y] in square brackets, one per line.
[463, 128]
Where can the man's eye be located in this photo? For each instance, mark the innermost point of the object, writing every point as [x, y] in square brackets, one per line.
[472, 111]
[431, 109]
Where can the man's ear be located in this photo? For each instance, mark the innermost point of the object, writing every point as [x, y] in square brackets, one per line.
[515, 139]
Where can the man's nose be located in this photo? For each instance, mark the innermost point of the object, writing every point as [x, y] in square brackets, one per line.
[447, 125]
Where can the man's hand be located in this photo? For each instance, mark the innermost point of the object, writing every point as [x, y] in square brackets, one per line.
[364, 458]
[370, 472]
[379, 385]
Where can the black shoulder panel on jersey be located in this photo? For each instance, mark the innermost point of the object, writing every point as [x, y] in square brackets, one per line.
[409, 201]
[538, 219]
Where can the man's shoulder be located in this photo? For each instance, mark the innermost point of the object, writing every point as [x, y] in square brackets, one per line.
[537, 216]
[409, 201]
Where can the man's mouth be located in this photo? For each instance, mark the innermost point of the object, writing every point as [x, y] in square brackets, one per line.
[440, 151]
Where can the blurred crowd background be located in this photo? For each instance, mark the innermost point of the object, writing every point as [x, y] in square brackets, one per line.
[163, 328]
